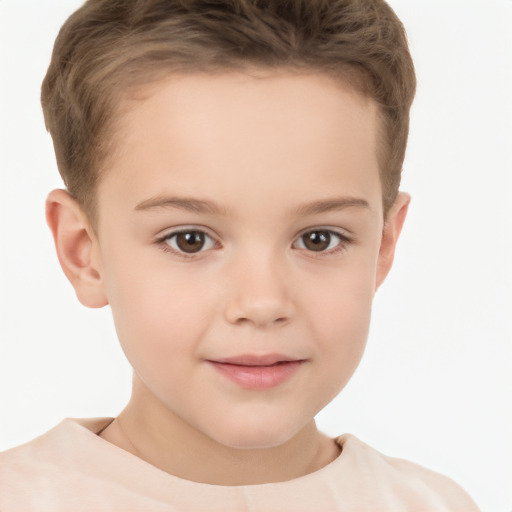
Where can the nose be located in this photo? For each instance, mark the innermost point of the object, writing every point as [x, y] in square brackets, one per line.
[259, 294]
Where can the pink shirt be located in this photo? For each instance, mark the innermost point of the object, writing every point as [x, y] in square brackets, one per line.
[71, 469]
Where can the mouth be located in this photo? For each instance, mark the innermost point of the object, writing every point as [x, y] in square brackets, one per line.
[257, 371]
[257, 360]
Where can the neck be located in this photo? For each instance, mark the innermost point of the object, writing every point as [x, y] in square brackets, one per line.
[150, 431]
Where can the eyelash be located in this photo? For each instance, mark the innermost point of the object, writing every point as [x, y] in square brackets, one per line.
[163, 242]
[342, 245]
[343, 242]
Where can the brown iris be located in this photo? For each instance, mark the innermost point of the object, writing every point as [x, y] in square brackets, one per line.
[190, 241]
[317, 240]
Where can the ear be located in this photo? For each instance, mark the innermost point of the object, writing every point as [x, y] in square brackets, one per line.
[390, 233]
[77, 247]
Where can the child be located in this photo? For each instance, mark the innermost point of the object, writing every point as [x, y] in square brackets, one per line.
[232, 173]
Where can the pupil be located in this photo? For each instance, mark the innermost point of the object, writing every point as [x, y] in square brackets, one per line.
[190, 242]
[317, 240]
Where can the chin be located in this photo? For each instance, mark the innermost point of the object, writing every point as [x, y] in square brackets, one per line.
[243, 436]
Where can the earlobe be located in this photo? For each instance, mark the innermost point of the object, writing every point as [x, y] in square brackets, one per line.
[390, 234]
[76, 246]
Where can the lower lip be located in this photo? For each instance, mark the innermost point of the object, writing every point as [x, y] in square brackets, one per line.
[258, 377]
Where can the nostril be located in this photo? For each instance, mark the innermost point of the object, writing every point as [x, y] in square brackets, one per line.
[281, 321]
[260, 311]
[246, 320]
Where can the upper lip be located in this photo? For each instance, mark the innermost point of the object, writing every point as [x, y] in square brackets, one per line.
[255, 359]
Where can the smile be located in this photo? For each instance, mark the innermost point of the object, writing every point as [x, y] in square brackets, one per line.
[257, 372]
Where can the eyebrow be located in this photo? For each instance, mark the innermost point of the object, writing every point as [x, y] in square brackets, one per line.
[206, 206]
[333, 204]
[182, 203]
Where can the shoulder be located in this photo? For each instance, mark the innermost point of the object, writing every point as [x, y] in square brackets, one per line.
[410, 484]
[32, 472]
[52, 446]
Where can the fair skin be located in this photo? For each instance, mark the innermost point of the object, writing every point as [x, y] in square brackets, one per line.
[274, 175]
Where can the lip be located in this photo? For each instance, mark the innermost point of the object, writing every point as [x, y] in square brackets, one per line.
[251, 371]
[256, 359]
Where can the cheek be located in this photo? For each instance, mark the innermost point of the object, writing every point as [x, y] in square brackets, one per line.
[155, 312]
[342, 298]
[342, 326]
[340, 313]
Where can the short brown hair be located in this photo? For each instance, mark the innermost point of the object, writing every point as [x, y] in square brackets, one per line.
[109, 46]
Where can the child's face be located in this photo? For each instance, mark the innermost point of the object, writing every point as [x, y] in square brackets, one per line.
[273, 182]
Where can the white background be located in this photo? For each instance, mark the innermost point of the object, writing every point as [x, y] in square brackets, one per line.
[435, 385]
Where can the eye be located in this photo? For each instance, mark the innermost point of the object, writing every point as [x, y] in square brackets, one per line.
[321, 240]
[189, 241]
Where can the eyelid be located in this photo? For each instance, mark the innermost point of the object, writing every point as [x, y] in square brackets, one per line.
[341, 232]
[176, 230]
[162, 238]
[344, 239]
[344, 235]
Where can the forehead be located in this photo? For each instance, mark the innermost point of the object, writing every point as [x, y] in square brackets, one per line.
[245, 135]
